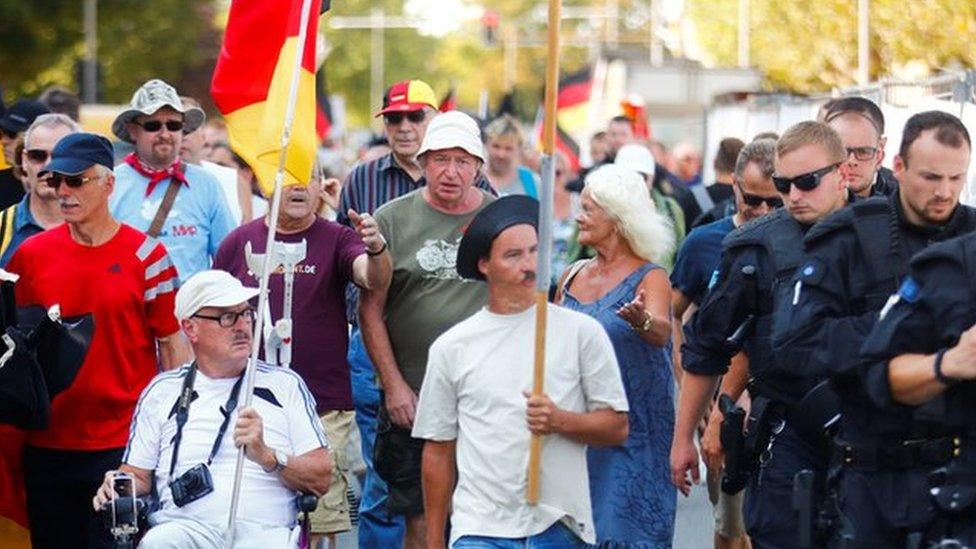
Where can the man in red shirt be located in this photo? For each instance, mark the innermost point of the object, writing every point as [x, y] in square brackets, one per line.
[92, 264]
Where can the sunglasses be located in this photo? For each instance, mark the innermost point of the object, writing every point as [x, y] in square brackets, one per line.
[37, 156]
[755, 200]
[862, 153]
[153, 126]
[9, 134]
[804, 182]
[74, 181]
[394, 118]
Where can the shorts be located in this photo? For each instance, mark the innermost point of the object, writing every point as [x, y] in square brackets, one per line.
[332, 514]
[396, 457]
[727, 509]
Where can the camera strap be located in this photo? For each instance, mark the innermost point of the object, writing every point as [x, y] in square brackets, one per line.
[183, 412]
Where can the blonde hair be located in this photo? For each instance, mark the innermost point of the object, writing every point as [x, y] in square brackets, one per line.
[810, 132]
[624, 196]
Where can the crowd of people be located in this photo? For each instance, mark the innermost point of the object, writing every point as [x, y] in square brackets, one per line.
[819, 294]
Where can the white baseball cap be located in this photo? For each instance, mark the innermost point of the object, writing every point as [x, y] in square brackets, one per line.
[636, 157]
[211, 288]
[450, 130]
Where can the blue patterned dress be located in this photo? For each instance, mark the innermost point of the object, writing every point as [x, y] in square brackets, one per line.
[630, 485]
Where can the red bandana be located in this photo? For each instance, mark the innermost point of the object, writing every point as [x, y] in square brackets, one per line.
[155, 176]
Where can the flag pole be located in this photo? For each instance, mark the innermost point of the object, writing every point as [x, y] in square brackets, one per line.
[268, 255]
[543, 277]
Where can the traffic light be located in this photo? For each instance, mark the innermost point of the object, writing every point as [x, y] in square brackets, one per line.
[489, 24]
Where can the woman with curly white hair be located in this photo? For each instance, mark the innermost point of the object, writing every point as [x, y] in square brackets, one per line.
[629, 293]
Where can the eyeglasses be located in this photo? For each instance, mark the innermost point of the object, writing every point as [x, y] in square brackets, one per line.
[804, 182]
[862, 153]
[229, 319]
[9, 134]
[74, 181]
[755, 200]
[37, 156]
[153, 126]
[394, 118]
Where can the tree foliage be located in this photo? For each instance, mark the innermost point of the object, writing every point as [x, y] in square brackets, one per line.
[42, 42]
[807, 46]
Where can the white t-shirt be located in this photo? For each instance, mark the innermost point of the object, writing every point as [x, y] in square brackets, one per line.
[291, 425]
[472, 393]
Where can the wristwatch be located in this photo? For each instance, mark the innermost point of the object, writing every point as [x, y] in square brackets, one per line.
[281, 462]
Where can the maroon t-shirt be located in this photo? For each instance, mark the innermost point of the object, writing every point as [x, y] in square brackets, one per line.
[321, 336]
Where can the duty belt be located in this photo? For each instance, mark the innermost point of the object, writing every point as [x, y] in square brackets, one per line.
[908, 454]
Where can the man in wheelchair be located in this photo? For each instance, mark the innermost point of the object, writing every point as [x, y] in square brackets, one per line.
[177, 446]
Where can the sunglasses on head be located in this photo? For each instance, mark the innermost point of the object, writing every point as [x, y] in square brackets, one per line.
[153, 126]
[74, 181]
[37, 156]
[754, 200]
[394, 118]
[804, 182]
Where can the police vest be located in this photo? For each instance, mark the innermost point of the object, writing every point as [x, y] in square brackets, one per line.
[781, 238]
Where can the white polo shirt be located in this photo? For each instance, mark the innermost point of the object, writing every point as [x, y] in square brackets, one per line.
[472, 393]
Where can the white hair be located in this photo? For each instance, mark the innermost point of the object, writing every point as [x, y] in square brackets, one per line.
[624, 196]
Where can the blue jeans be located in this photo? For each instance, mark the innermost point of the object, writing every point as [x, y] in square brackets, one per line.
[557, 536]
[376, 527]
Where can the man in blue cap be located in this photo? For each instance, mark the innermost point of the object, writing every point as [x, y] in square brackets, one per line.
[92, 264]
[13, 123]
[481, 368]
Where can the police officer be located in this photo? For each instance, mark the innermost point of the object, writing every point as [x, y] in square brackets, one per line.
[919, 367]
[757, 265]
[860, 124]
[854, 260]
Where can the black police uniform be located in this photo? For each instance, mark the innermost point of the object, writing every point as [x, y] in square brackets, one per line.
[855, 259]
[757, 265]
[935, 304]
[885, 183]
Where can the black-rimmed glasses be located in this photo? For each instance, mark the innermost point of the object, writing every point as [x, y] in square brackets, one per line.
[229, 319]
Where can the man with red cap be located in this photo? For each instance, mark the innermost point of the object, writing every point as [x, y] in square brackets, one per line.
[408, 107]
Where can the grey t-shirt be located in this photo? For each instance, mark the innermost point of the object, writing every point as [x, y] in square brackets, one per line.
[426, 296]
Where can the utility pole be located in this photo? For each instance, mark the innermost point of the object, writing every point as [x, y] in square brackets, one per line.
[510, 47]
[743, 34]
[863, 45]
[89, 93]
[656, 48]
[377, 22]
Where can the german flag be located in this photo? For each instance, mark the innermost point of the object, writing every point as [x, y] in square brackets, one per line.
[450, 101]
[323, 108]
[573, 100]
[13, 500]
[252, 80]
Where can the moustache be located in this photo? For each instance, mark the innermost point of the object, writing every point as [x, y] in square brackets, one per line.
[528, 276]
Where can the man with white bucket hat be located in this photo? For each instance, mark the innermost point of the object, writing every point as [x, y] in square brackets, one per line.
[425, 297]
[155, 192]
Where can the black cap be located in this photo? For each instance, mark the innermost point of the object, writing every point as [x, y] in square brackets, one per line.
[487, 225]
[77, 152]
[21, 115]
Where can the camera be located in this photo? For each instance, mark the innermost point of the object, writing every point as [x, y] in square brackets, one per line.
[192, 485]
